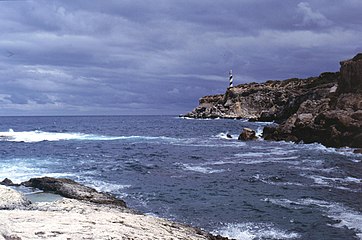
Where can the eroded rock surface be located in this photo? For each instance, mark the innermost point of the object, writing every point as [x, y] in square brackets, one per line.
[71, 189]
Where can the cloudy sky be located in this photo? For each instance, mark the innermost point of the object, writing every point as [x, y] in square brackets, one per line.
[160, 56]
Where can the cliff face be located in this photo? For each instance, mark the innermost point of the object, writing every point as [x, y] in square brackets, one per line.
[325, 109]
[334, 120]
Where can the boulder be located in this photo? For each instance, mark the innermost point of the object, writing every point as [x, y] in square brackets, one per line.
[11, 199]
[71, 189]
[247, 134]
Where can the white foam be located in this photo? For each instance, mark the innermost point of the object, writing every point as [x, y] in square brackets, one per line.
[334, 182]
[259, 131]
[201, 169]
[226, 136]
[248, 231]
[39, 136]
[19, 171]
[107, 187]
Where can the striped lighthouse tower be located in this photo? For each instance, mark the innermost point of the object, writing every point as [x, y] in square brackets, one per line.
[230, 78]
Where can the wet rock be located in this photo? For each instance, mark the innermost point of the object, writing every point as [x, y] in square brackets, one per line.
[8, 182]
[71, 189]
[11, 199]
[247, 134]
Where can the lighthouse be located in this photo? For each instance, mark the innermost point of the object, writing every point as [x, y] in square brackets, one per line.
[230, 78]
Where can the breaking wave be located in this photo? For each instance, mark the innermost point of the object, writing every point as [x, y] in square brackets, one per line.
[249, 231]
[40, 136]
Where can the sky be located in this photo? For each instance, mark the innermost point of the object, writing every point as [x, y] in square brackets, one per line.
[125, 57]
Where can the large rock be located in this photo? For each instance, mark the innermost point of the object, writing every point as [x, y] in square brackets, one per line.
[71, 189]
[247, 134]
[11, 199]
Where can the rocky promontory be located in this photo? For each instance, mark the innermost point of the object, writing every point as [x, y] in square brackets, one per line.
[325, 109]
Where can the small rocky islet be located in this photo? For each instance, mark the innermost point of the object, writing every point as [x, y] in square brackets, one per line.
[326, 109]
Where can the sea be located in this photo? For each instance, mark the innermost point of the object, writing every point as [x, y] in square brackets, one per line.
[190, 171]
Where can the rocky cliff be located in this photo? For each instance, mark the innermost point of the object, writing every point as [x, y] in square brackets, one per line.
[334, 120]
[325, 109]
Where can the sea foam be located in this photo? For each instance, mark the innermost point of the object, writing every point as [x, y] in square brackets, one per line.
[249, 231]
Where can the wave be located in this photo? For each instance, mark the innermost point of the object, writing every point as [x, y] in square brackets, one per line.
[346, 183]
[22, 169]
[249, 231]
[39, 136]
[200, 168]
[226, 136]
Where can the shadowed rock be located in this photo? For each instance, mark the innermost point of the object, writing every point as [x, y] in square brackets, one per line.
[8, 182]
[71, 189]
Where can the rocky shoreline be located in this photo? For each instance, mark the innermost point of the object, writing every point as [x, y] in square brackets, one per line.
[81, 212]
[326, 109]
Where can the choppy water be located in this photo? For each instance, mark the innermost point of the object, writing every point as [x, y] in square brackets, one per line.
[189, 171]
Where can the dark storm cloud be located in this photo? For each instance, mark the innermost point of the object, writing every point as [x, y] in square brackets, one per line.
[160, 56]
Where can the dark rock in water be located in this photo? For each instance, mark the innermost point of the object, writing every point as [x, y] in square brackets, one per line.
[71, 189]
[247, 134]
[358, 150]
[228, 135]
[8, 182]
[217, 237]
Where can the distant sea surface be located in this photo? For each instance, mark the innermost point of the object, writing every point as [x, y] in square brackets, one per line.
[189, 171]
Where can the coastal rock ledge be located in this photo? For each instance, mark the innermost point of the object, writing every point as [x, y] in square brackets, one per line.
[89, 218]
[326, 109]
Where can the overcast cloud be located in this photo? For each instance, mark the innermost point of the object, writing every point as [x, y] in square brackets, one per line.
[160, 56]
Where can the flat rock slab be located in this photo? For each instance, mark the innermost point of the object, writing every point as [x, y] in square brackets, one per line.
[73, 219]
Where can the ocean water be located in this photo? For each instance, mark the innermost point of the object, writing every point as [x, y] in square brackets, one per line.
[189, 171]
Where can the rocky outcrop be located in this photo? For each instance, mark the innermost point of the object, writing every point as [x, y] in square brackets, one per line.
[334, 120]
[71, 189]
[325, 109]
